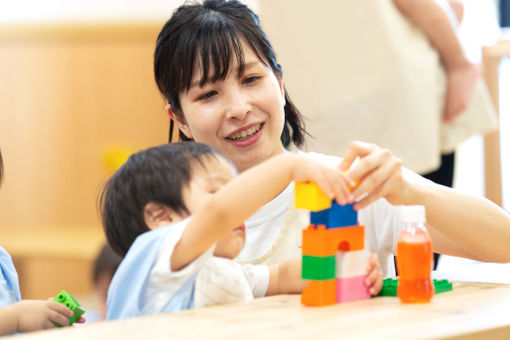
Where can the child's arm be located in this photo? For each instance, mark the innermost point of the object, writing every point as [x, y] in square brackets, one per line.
[236, 201]
[286, 278]
[32, 315]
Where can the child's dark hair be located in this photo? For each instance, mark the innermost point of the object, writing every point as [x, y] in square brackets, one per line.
[213, 32]
[158, 175]
[106, 263]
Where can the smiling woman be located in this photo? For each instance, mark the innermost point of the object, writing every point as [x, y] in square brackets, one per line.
[218, 72]
[242, 115]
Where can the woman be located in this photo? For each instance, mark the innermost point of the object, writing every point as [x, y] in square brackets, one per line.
[218, 71]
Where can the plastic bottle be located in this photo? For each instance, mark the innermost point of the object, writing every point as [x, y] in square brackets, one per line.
[414, 257]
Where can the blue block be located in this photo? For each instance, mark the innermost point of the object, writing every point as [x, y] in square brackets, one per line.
[335, 217]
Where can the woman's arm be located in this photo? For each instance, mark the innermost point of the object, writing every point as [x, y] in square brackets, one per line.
[240, 198]
[463, 225]
[460, 225]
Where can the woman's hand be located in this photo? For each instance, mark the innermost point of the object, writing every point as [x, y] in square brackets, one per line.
[379, 174]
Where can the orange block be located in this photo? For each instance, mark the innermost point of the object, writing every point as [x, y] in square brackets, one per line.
[320, 241]
[319, 293]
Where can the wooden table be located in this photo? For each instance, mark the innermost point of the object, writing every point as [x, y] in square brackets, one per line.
[470, 311]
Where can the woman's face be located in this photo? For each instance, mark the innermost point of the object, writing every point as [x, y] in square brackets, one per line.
[242, 115]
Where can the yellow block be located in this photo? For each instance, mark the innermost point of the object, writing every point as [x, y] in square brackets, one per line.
[310, 196]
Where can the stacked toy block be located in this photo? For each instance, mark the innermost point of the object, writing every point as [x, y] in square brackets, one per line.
[334, 255]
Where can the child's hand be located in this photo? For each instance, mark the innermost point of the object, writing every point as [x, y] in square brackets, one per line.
[374, 279]
[33, 315]
[331, 180]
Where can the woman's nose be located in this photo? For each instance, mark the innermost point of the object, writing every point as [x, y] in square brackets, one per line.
[238, 105]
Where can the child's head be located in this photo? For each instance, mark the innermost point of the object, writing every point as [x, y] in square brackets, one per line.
[163, 185]
[208, 42]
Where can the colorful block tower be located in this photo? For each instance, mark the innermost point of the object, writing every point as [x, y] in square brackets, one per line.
[334, 255]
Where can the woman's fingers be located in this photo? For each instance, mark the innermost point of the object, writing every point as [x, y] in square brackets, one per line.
[367, 166]
[356, 149]
[380, 183]
[377, 171]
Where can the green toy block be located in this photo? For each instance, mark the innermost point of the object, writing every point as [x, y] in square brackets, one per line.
[390, 287]
[441, 286]
[318, 268]
[70, 302]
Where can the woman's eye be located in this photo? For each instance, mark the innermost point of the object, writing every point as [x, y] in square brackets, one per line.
[207, 95]
[251, 80]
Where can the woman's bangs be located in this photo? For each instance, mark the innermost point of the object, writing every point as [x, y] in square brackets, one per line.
[218, 50]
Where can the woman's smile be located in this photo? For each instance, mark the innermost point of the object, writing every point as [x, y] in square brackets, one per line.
[246, 136]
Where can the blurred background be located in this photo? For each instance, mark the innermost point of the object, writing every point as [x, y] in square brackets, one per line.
[77, 96]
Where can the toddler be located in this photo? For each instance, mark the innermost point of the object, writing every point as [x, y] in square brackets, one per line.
[175, 213]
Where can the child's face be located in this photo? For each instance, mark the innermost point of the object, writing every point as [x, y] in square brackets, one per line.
[205, 181]
[241, 115]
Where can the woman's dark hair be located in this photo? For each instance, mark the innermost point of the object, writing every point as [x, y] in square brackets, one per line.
[213, 31]
[158, 175]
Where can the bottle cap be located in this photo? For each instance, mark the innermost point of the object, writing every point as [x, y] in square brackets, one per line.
[413, 213]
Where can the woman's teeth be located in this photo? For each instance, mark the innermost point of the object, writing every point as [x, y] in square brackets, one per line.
[245, 133]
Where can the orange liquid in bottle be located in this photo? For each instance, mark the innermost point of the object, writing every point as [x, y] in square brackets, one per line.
[414, 263]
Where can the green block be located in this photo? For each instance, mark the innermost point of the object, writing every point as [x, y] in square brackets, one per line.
[318, 267]
[70, 302]
[390, 287]
[441, 286]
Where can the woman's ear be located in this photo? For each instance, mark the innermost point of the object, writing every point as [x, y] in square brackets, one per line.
[157, 215]
[179, 120]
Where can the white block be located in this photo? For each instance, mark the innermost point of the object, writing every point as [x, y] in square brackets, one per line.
[351, 263]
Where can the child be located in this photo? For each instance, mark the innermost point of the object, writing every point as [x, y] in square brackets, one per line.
[105, 265]
[435, 23]
[176, 211]
[27, 315]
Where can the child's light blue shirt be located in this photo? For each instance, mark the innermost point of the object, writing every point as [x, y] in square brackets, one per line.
[9, 285]
[126, 295]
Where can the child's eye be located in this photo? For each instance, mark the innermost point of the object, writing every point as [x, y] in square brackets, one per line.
[251, 79]
[207, 95]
